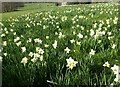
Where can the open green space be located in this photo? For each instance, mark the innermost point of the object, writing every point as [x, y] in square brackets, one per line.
[51, 46]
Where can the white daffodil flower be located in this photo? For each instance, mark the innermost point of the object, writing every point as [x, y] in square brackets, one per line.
[23, 49]
[4, 43]
[37, 40]
[24, 60]
[19, 43]
[46, 45]
[92, 52]
[16, 39]
[0, 59]
[71, 63]
[115, 69]
[31, 54]
[106, 64]
[72, 41]
[67, 50]
[34, 59]
[80, 35]
[55, 44]
[113, 46]
[92, 32]
[61, 35]
[36, 55]
[39, 50]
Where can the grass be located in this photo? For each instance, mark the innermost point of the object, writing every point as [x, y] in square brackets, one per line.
[28, 8]
[63, 46]
[38, 7]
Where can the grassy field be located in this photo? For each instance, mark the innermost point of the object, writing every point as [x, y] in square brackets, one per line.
[38, 7]
[61, 46]
[29, 8]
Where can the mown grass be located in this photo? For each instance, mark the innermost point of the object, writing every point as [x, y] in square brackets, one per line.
[28, 8]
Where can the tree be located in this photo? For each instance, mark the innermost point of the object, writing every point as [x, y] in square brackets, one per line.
[11, 6]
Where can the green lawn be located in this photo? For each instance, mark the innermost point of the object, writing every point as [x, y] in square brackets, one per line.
[29, 8]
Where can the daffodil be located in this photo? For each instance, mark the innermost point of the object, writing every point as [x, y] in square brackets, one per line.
[67, 50]
[19, 43]
[113, 46]
[117, 79]
[39, 50]
[99, 41]
[46, 45]
[4, 43]
[74, 32]
[2, 35]
[16, 39]
[44, 27]
[106, 64]
[109, 33]
[78, 43]
[64, 18]
[23, 49]
[61, 35]
[80, 35]
[34, 59]
[82, 28]
[29, 40]
[92, 32]
[71, 63]
[115, 69]
[11, 30]
[31, 54]
[55, 44]
[5, 54]
[72, 41]
[14, 33]
[37, 40]
[0, 59]
[36, 55]
[24, 60]
[47, 37]
[95, 25]
[92, 52]
[41, 57]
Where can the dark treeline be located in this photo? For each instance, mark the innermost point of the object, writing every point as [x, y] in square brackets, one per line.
[11, 6]
[71, 3]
